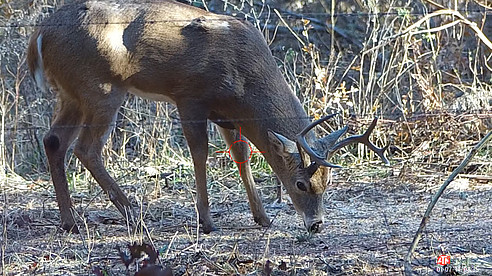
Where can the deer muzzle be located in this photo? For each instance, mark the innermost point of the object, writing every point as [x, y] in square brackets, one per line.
[314, 225]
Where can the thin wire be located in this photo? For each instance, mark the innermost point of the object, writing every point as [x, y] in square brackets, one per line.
[367, 14]
[416, 116]
[173, 121]
[285, 15]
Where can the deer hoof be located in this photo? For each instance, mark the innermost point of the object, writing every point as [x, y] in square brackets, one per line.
[263, 221]
[208, 227]
[70, 227]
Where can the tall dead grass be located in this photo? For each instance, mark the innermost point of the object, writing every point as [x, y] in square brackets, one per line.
[425, 74]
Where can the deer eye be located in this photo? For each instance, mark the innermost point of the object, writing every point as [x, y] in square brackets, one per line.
[301, 186]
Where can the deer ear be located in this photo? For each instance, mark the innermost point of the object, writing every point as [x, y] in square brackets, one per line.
[282, 145]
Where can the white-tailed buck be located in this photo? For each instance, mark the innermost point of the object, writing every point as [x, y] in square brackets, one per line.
[212, 67]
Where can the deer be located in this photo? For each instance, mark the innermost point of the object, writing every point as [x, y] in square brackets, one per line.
[213, 68]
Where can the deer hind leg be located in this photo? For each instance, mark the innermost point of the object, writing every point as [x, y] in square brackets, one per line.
[194, 124]
[240, 152]
[99, 118]
[63, 131]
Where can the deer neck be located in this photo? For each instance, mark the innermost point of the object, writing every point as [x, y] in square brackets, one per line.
[278, 110]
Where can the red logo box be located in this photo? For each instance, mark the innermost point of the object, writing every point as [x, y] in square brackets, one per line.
[443, 260]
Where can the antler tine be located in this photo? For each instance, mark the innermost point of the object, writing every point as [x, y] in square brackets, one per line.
[301, 141]
[315, 123]
[364, 139]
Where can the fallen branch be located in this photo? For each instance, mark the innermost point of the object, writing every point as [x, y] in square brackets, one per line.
[290, 29]
[483, 4]
[462, 19]
[478, 177]
[411, 29]
[425, 219]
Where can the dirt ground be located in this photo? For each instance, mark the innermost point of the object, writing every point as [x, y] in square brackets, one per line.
[369, 227]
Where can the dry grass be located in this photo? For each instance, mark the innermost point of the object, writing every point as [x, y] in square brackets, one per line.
[371, 224]
[431, 90]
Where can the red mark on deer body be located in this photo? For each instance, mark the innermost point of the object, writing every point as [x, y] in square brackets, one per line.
[239, 162]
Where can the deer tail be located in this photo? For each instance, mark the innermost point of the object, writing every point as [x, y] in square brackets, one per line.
[35, 60]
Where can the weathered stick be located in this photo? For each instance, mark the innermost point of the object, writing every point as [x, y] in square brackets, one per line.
[425, 219]
[410, 30]
[463, 19]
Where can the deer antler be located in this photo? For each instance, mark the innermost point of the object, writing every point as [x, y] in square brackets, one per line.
[301, 142]
[363, 139]
[321, 161]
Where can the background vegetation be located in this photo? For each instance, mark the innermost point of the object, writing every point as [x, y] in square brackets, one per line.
[427, 76]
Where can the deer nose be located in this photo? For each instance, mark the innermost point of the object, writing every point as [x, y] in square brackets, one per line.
[316, 227]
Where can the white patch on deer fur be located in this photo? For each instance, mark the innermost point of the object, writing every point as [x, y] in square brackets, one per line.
[110, 44]
[213, 23]
[114, 38]
[216, 24]
[219, 24]
[151, 96]
[105, 87]
[39, 70]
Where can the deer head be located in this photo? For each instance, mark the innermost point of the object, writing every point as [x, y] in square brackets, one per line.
[305, 180]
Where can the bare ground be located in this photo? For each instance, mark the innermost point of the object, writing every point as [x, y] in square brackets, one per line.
[369, 226]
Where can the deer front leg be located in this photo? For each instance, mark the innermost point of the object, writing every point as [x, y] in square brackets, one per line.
[194, 123]
[240, 153]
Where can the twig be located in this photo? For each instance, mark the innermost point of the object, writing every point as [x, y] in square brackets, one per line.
[288, 27]
[463, 19]
[325, 26]
[435, 4]
[437, 29]
[417, 24]
[478, 177]
[316, 21]
[425, 219]
[483, 5]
